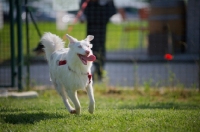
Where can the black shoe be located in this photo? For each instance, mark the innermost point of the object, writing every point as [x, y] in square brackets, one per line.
[39, 49]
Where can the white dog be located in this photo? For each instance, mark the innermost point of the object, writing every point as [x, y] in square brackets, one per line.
[70, 68]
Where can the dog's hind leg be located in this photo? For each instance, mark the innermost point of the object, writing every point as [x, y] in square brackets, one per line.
[64, 98]
[90, 93]
[73, 96]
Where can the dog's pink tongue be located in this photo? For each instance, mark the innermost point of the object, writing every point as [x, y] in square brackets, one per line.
[90, 58]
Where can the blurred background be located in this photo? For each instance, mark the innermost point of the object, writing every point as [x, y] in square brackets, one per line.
[149, 43]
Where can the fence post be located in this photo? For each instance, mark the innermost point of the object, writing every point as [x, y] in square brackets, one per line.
[20, 47]
[27, 47]
[13, 73]
[199, 53]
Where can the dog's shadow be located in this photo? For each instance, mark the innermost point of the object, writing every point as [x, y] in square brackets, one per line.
[28, 118]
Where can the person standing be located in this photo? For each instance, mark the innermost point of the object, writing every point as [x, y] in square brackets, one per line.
[98, 13]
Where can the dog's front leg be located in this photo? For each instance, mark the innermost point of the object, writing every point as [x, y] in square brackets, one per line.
[90, 93]
[63, 95]
[73, 96]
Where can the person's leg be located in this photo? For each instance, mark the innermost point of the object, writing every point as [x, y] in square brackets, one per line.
[96, 25]
[99, 49]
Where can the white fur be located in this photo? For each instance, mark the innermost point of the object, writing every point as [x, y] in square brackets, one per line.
[72, 76]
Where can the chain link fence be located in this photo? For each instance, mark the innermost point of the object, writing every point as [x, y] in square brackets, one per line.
[135, 46]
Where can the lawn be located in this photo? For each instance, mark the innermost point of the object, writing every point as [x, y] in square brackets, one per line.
[117, 110]
[116, 38]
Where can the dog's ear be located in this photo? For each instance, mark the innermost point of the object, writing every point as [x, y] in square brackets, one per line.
[89, 38]
[71, 39]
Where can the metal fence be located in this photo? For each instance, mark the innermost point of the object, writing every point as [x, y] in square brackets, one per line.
[136, 49]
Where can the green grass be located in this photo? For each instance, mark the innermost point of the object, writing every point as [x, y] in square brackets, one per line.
[116, 111]
[116, 39]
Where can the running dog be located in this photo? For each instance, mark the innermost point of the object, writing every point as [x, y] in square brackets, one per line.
[70, 68]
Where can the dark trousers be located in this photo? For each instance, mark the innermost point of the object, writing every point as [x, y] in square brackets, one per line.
[97, 19]
[99, 49]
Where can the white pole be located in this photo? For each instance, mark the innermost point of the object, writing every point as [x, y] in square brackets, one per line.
[1, 16]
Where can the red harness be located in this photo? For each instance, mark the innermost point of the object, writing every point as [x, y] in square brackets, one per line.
[89, 77]
[63, 62]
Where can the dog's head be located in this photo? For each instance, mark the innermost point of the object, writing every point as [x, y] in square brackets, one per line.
[82, 48]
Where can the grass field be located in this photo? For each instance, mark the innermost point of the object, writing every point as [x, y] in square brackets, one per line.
[116, 38]
[176, 110]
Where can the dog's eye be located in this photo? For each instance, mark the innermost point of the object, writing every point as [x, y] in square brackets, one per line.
[80, 46]
[88, 45]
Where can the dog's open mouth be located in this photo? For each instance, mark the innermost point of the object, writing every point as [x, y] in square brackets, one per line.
[85, 58]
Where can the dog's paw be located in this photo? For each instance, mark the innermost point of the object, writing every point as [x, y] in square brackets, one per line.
[73, 112]
[91, 110]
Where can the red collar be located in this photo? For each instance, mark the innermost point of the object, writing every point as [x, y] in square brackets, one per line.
[88, 74]
[63, 62]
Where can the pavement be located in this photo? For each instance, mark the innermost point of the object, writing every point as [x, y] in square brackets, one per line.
[132, 74]
[128, 68]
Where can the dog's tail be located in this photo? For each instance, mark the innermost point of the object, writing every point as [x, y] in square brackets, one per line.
[51, 43]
